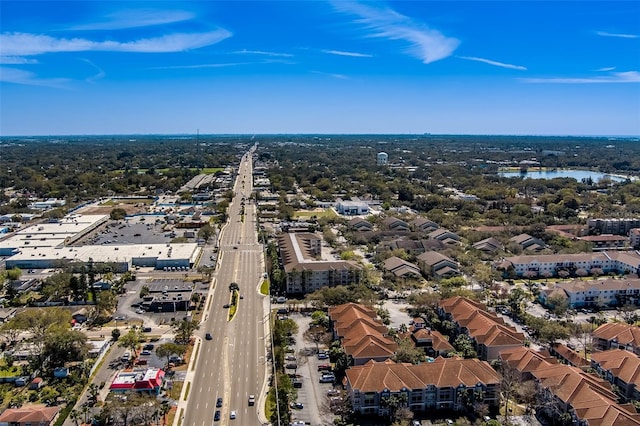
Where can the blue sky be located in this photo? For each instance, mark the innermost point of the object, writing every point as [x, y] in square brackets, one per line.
[251, 67]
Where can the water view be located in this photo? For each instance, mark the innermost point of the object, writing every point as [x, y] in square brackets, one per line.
[578, 175]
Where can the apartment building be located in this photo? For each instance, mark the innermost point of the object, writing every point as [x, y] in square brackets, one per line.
[489, 333]
[617, 336]
[620, 368]
[604, 292]
[445, 384]
[300, 254]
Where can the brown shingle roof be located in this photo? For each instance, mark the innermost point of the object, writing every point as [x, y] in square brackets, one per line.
[625, 334]
[35, 414]
[449, 372]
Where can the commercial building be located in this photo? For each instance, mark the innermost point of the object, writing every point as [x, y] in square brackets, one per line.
[149, 381]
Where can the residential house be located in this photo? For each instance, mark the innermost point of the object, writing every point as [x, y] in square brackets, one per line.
[149, 381]
[29, 415]
[80, 316]
[527, 242]
[395, 224]
[617, 336]
[305, 273]
[488, 331]
[401, 268]
[489, 245]
[621, 369]
[445, 384]
[445, 236]
[588, 399]
[360, 225]
[422, 224]
[437, 265]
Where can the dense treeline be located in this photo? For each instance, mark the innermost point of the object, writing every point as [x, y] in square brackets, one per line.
[422, 169]
[79, 169]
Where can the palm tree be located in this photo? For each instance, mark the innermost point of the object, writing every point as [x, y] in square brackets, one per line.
[75, 416]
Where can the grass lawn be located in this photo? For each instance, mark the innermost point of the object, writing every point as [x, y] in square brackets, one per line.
[307, 214]
[264, 287]
[211, 170]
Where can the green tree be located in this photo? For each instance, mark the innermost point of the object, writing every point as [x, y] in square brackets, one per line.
[464, 346]
[63, 345]
[407, 352]
[118, 214]
[131, 341]
[184, 330]
[206, 232]
[166, 350]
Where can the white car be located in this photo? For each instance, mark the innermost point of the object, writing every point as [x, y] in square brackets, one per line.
[232, 415]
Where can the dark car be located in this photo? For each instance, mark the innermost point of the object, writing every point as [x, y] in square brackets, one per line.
[148, 347]
[219, 402]
[216, 416]
[208, 336]
[226, 306]
[146, 329]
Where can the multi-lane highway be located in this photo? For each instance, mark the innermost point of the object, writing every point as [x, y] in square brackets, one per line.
[232, 364]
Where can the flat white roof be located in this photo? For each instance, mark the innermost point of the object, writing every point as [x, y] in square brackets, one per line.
[108, 253]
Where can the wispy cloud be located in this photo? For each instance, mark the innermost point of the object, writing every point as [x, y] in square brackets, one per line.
[618, 77]
[606, 34]
[100, 74]
[332, 75]
[343, 53]
[136, 18]
[17, 60]
[426, 44]
[494, 63]
[17, 76]
[263, 53]
[24, 44]
[605, 69]
[197, 66]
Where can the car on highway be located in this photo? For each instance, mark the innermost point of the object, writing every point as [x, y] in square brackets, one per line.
[252, 399]
[233, 414]
[219, 402]
[208, 336]
[226, 306]
[216, 416]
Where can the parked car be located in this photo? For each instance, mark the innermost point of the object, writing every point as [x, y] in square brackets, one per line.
[297, 405]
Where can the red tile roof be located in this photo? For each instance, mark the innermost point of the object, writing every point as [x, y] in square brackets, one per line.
[34, 414]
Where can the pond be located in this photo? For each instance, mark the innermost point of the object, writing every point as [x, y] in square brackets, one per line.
[563, 173]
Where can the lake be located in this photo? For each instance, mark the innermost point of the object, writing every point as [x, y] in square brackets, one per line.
[563, 173]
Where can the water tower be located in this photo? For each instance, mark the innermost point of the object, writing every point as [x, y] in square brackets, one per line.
[382, 159]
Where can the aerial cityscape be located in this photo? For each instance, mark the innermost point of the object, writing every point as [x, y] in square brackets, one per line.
[400, 213]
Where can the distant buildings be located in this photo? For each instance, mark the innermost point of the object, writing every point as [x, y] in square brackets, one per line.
[612, 226]
[352, 207]
[592, 293]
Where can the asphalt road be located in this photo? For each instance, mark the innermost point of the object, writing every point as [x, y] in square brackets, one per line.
[232, 364]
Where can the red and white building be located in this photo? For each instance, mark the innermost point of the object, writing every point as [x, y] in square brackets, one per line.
[149, 381]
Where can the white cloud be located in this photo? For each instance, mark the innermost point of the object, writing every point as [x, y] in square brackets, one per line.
[343, 53]
[23, 44]
[17, 76]
[17, 60]
[606, 34]
[426, 44]
[605, 69]
[260, 52]
[137, 18]
[617, 77]
[495, 63]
